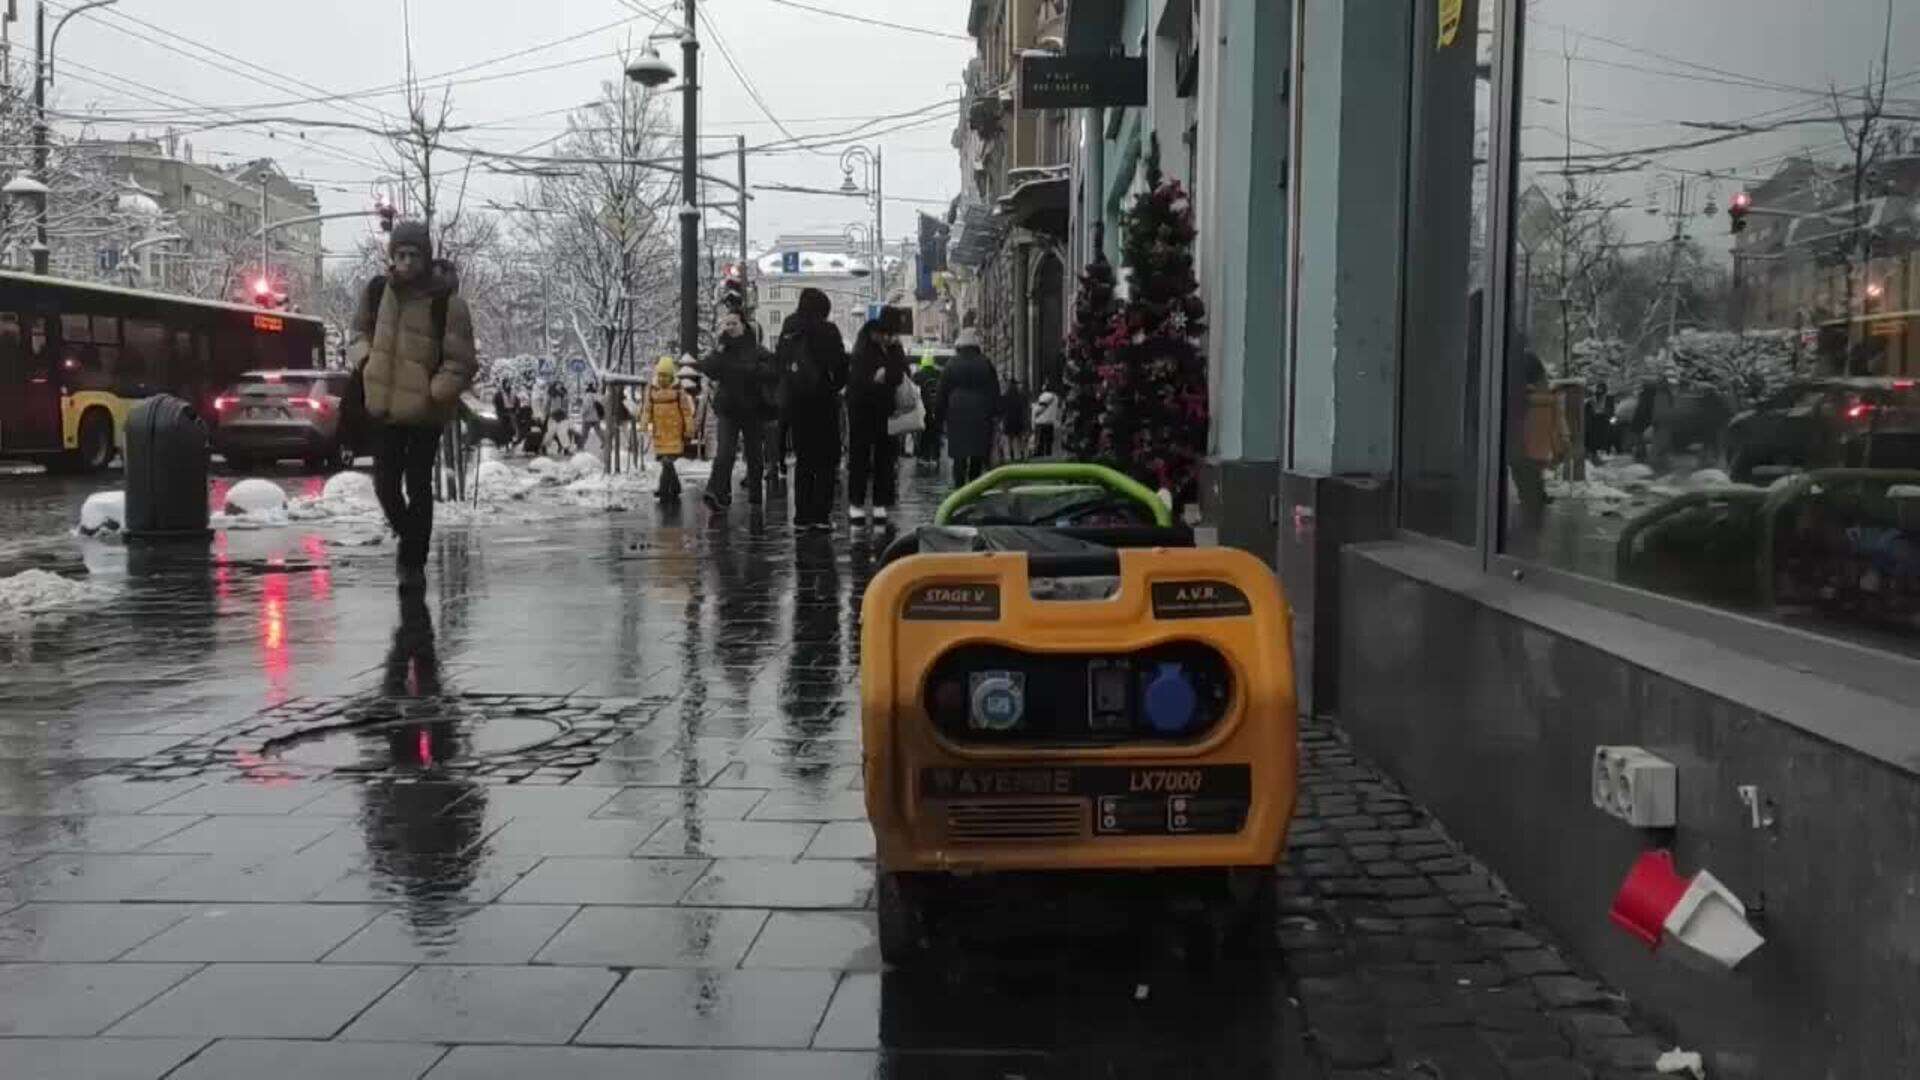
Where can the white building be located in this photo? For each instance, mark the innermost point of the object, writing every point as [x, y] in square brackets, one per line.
[830, 262]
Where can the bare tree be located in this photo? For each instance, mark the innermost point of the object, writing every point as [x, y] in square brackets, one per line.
[1871, 137]
[606, 225]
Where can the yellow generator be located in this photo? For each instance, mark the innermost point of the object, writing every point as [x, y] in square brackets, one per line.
[1075, 706]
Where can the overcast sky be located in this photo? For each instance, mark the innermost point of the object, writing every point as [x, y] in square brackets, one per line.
[817, 74]
[1642, 71]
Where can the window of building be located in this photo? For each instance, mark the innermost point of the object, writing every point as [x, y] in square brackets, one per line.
[1446, 261]
[1714, 334]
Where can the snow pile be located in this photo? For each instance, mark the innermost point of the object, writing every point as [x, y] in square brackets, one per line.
[1710, 478]
[103, 514]
[34, 592]
[256, 497]
[1589, 490]
[544, 467]
[350, 487]
[583, 465]
[497, 481]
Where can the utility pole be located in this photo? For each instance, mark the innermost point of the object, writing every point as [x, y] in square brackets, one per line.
[265, 260]
[41, 253]
[1673, 260]
[879, 234]
[740, 156]
[42, 75]
[689, 189]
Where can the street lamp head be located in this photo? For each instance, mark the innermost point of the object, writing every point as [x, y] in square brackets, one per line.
[24, 186]
[650, 70]
[847, 185]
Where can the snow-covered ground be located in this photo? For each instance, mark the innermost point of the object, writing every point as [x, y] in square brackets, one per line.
[501, 489]
[1619, 486]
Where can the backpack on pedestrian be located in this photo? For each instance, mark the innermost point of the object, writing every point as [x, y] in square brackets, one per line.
[801, 377]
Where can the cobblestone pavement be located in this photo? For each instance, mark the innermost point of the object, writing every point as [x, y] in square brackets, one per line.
[592, 808]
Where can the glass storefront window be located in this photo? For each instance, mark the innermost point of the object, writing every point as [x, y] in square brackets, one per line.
[1447, 269]
[1715, 316]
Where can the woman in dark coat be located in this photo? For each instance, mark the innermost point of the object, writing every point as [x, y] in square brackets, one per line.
[969, 407]
[877, 369]
[813, 370]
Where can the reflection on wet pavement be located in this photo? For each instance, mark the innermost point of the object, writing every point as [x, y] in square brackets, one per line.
[598, 785]
[592, 807]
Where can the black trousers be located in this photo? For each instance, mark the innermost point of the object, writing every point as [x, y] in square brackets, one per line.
[968, 469]
[669, 478]
[1043, 440]
[403, 480]
[872, 462]
[737, 436]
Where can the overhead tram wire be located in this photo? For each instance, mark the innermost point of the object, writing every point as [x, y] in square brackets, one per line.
[746, 83]
[122, 82]
[870, 21]
[428, 83]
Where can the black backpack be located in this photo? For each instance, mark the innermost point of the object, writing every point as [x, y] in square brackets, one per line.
[353, 403]
[801, 379]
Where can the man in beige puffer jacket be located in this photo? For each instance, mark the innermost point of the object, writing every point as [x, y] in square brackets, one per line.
[414, 375]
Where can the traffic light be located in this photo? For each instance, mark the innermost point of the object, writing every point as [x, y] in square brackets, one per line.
[262, 292]
[387, 211]
[733, 290]
[1737, 210]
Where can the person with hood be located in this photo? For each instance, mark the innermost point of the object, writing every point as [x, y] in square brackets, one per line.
[926, 445]
[874, 375]
[969, 407]
[668, 416]
[740, 377]
[1046, 418]
[812, 360]
[412, 341]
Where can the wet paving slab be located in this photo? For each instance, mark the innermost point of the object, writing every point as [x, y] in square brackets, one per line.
[591, 807]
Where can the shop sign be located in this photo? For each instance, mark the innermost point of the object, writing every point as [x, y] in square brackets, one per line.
[1082, 82]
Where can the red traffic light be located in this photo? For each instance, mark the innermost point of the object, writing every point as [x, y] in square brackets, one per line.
[262, 287]
[1737, 209]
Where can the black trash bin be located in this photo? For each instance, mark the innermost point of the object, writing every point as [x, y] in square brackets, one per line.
[166, 471]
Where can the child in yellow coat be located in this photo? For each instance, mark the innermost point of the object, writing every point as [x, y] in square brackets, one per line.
[669, 419]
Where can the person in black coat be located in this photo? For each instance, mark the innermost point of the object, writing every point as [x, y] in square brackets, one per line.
[812, 359]
[877, 369]
[969, 407]
[740, 374]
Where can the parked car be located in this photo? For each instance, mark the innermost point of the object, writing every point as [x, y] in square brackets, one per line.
[270, 415]
[1828, 424]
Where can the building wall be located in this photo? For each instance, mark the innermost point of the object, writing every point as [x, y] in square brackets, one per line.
[1486, 699]
[219, 214]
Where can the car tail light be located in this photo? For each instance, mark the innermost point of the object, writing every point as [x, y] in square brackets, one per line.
[314, 403]
[225, 402]
[1903, 384]
[1859, 410]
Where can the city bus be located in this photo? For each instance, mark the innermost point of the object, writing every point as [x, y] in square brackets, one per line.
[76, 356]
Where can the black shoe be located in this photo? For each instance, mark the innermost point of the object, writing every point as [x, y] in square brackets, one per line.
[712, 499]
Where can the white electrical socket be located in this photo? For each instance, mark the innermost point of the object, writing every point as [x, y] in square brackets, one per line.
[1634, 785]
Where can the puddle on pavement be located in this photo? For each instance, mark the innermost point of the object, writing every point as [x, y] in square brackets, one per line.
[374, 743]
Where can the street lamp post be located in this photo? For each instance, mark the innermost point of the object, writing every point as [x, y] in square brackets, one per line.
[869, 161]
[43, 75]
[650, 71]
[689, 189]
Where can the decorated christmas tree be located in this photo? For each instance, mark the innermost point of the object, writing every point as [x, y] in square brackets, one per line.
[1153, 381]
[1093, 311]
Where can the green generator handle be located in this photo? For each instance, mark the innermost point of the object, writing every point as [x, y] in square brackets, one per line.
[1057, 472]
